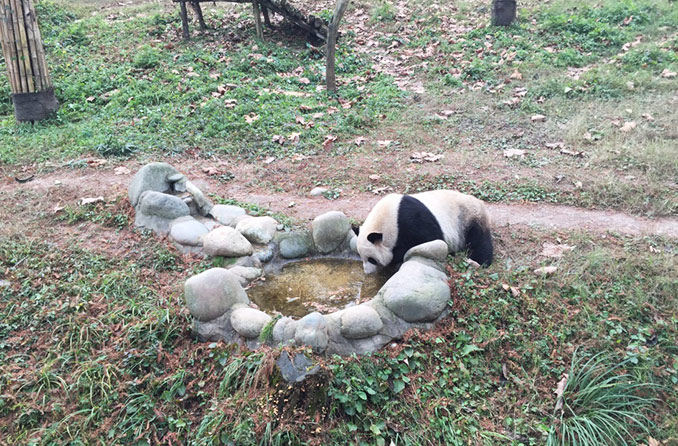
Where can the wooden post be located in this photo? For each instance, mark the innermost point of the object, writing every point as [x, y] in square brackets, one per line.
[267, 18]
[184, 21]
[503, 12]
[332, 31]
[257, 18]
[198, 12]
[32, 91]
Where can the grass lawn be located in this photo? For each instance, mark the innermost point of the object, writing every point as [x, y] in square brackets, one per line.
[95, 340]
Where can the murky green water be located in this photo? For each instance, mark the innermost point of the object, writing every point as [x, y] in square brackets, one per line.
[323, 285]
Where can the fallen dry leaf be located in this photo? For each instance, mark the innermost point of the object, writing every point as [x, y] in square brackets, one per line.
[121, 170]
[278, 139]
[516, 75]
[560, 389]
[576, 153]
[384, 142]
[375, 177]
[90, 200]
[668, 74]
[545, 270]
[555, 251]
[652, 442]
[329, 142]
[628, 126]
[420, 157]
[230, 103]
[251, 117]
[360, 140]
[269, 160]
[514, 291]
[538, 118]
[294, 137]
[555, 145]
[510, 153]
[96, 162]
[211, 170]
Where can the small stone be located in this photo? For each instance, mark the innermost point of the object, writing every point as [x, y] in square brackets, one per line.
[360, 322]
[187, 231]
[258, 229]
[226, 241]
[225, 214]
[151, 177]
[265, 255]
[329, 231]
[353, 244]
[295, 245]
[162, 205]
[175, 177]
[5, 283]
[249, 322]
[312, 331]
[545, 270]
[317, 191]
[434, 250]
[211, 293]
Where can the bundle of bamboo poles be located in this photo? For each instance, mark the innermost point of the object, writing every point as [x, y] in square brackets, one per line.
[25, 60]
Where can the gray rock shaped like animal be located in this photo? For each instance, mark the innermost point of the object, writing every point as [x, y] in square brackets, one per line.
[226, 241]
[295, 370]
[360, 321]
[249, 322]
[295, 245]
[417, 292]
[211, 293]
[151, 177]
[225, 214]
[258, 229]
[187, 231]
[312, 331]
[329, 231]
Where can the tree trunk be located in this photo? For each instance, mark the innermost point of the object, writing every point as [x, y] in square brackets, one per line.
[503, 12]
[332, 32]
[32, 90]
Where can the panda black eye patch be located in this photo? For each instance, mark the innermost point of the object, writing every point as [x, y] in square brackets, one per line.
[372, 261]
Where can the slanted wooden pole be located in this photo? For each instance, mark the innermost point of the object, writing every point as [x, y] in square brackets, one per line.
[184, 20]
[332, 31]
[198, 12]
[257, 18]
[32, 91]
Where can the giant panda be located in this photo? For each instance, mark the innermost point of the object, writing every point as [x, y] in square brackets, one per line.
[399, 222]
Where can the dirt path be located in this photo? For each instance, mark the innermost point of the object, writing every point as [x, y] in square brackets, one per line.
[68, 186]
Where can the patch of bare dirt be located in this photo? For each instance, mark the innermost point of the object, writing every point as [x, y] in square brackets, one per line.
[32, 204]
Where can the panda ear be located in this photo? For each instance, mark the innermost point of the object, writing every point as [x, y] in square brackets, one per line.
[356, 229]
[375, 237]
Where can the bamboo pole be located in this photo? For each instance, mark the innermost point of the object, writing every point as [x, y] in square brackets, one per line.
[32, 92]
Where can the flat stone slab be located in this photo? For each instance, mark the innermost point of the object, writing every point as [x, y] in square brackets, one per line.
[226, 214]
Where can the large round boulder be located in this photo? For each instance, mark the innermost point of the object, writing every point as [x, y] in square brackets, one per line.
[225, 213]
[329, 231]
[187, 231]
[211, 293]
[417, 292]
[162, 205]
[295, 245]
[311, 330]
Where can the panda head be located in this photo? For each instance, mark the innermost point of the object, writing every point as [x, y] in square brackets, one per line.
[374, 254]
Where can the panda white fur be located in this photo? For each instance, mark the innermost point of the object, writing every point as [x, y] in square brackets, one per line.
[399, 222]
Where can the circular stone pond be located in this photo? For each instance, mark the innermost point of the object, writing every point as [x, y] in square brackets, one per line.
[302, 287]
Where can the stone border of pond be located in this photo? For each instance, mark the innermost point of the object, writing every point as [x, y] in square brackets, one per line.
[165, 201]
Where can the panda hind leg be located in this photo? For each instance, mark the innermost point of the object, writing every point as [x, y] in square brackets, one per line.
[479, 244]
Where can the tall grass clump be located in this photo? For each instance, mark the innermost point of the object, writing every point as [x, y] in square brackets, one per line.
[600, 403]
